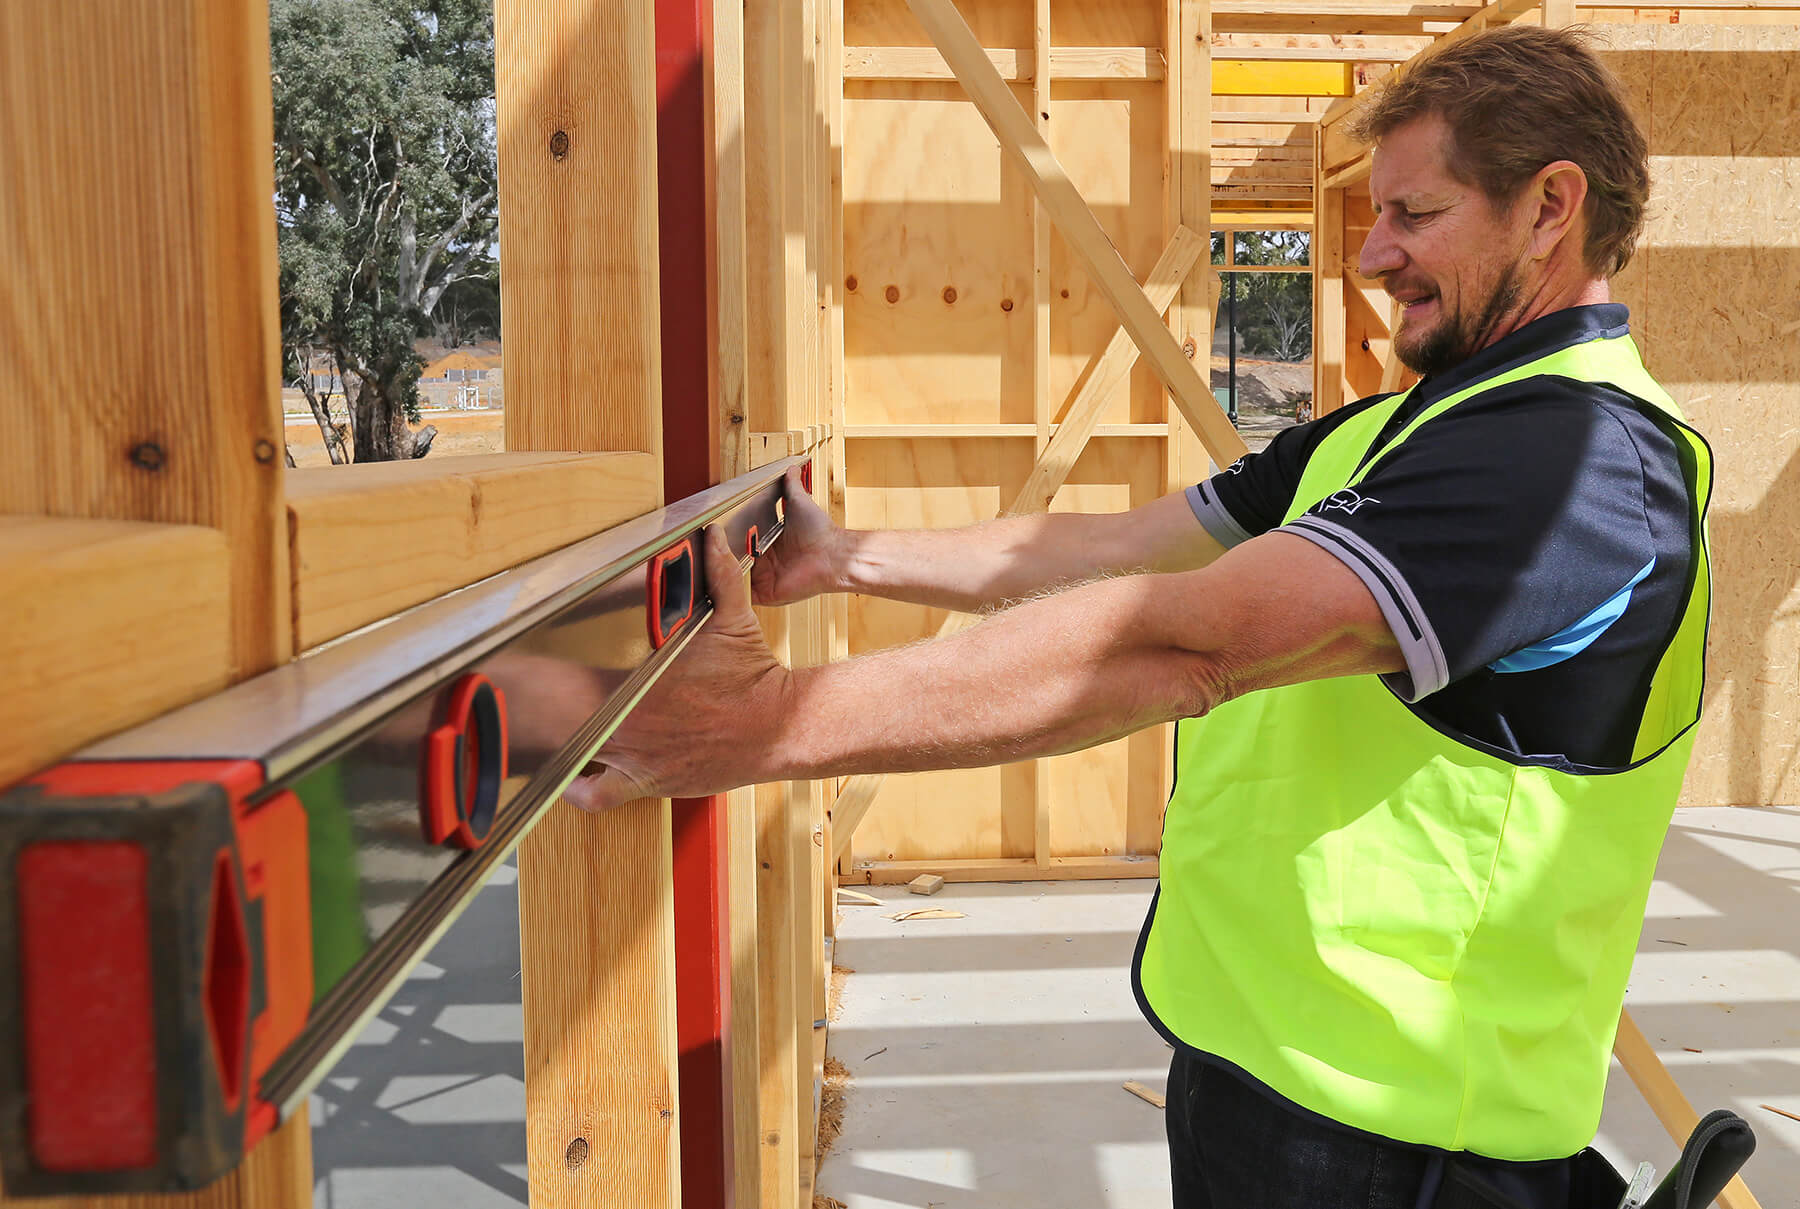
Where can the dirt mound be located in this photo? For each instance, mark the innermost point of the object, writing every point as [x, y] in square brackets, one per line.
[1266, 387]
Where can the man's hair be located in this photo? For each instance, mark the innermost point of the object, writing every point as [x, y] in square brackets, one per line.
[1520, 97]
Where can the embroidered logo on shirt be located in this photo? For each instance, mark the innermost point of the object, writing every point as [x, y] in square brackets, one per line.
[1345, 501]
[1236, 467]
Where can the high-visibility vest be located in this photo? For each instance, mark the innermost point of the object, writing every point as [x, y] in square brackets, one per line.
[1394, 926]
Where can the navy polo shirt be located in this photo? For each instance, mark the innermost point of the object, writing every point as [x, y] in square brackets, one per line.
[1531, 548]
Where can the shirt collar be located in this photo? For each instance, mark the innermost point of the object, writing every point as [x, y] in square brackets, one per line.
[1539, 338]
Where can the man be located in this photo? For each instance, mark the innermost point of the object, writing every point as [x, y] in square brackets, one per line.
[1438, 656]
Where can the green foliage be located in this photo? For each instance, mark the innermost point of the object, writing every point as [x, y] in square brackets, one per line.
[1274, 310]
[385, 187]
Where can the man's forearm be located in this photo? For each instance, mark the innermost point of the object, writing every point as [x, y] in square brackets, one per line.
[1014, 558]
[1050, 676]
[1085, 666]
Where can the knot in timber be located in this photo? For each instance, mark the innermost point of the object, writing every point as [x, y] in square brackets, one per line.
[893, 293]
[949, 293]
[265, 451]
[576, 1154]
[148, 455]
[559, 145]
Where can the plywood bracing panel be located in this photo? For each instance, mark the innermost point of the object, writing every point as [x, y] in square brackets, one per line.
[938, 271]
[1712, 292]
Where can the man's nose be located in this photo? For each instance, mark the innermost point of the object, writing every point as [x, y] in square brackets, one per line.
[1379, 254]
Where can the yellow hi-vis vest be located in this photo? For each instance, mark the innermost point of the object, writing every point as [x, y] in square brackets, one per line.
[1398, 929]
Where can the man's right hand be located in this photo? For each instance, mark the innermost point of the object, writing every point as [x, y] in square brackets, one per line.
[808, 560]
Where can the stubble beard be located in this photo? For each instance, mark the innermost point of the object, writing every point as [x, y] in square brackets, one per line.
[1458, 337]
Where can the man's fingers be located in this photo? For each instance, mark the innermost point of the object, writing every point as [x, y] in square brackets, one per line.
[602, 792]
[725, 577]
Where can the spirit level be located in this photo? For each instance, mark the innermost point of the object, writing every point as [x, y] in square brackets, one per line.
[204, 910]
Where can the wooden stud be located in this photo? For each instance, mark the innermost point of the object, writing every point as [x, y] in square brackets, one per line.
[727, 251]
[834, 125]
[578, 223]
[1328, 299]
[766, 285]
[778, 882]
[798, 109]
[580, 311]
[1194, 305]
[157, 244]
[1393, 373]
[747, 1148]
[135, 211]
[1080, 230]
[1042, 406]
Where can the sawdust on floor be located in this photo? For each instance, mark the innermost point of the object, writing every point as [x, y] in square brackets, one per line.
[834, 998]
[831, 1107]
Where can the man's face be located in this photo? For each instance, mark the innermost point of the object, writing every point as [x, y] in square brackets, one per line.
[1442, 249]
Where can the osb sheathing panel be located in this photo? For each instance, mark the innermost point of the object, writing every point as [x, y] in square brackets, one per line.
[1715, 297]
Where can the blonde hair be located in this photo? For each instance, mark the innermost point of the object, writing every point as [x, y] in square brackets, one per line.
[1520, 97]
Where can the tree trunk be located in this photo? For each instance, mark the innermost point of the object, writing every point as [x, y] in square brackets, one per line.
[378, 424]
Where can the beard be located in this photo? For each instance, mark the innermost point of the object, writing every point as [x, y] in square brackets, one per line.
[1459, 336]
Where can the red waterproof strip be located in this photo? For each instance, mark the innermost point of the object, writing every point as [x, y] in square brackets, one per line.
[90, 1033]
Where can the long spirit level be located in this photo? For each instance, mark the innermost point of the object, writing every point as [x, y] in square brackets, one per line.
[202, 912]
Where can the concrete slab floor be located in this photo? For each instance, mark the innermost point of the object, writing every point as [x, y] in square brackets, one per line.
[986, 1053]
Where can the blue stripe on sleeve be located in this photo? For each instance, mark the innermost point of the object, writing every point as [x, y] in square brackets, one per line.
[1575, 638]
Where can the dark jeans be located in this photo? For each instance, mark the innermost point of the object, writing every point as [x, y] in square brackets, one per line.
[1233, 1145]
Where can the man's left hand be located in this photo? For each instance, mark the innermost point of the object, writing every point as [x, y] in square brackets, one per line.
[706, 724]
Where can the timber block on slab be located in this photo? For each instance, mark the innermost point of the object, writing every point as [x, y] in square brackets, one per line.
[369, 540]
[926, 883]
[104, 624]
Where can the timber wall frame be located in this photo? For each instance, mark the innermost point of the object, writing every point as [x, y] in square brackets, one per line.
[674, 955]
[141, 496]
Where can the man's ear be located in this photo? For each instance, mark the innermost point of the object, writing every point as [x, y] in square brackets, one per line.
[1555, 198]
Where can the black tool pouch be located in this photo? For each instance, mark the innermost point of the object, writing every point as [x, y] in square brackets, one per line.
[1714, 1152]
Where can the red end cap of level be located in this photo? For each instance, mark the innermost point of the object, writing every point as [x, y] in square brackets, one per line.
[273, 855]
[89, 1026]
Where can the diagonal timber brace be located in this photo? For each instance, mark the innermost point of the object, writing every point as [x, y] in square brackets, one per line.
[1020, 139]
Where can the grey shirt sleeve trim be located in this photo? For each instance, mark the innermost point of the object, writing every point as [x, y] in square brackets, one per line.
[1427, 671]
[1214, 518]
